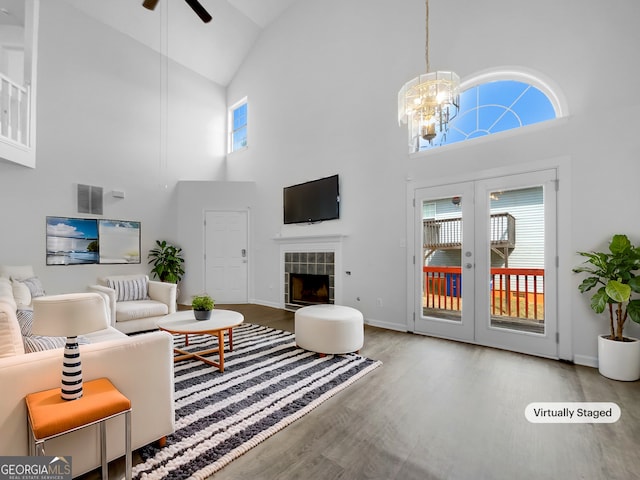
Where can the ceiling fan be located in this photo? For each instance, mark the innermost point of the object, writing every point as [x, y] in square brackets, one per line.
[194, 4]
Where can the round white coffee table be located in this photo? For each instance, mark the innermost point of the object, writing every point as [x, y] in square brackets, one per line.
[184, 323]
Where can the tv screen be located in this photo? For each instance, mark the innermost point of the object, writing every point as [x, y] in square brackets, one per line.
[312, 201]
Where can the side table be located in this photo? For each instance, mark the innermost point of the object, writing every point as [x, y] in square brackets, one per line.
[50, 416]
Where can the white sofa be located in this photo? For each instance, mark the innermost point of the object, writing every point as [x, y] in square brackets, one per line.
[141, 367]
[136, 310]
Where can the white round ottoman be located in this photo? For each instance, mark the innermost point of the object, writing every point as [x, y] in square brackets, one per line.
[329, 329]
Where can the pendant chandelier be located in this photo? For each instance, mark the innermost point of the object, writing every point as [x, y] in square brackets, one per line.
[429, 102]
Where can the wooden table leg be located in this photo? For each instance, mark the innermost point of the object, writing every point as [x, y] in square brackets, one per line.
[231, 339]
[221, 348]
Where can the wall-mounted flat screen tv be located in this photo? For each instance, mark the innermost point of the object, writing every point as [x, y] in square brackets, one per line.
[72, 241]
[313, 201]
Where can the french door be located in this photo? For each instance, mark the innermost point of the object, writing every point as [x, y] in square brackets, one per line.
[485, 268]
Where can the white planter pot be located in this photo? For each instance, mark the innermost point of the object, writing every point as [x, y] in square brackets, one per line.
[619, 360]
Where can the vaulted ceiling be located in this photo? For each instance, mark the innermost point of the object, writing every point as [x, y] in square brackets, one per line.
[214, 50]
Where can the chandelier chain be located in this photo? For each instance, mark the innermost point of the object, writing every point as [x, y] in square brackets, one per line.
[426, 46]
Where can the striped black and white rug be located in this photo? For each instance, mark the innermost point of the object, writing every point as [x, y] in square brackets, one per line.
[267, 384]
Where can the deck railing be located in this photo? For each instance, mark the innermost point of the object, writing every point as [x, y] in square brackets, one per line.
[14, 111]
[447, 232]
[514, 292]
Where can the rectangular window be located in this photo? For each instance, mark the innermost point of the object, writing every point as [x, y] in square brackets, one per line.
[238, 126]
[428, 211]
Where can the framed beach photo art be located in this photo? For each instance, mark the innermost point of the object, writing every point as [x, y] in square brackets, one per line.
[119, 241]
[72, 241]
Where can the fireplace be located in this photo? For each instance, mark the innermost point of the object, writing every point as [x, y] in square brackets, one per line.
[308, 289]
[309, 278]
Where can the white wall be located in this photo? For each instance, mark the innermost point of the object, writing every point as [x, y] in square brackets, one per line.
[322, 84]
[12, 52]
[194, 199]
[103, 101]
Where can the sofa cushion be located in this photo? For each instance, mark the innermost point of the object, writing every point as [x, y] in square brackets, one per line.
[10, 337]
[129, 288]
[6, 291]
[140, 309]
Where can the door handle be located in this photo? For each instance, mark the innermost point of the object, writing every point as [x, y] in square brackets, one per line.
[243, 252]
[468, 265]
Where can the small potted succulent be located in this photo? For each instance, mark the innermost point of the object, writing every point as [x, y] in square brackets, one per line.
[202, 306]
[617, 291]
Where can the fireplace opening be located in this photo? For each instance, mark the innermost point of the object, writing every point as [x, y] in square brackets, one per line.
[309, 289]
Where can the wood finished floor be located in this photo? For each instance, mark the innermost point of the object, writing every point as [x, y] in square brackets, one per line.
[439, 409]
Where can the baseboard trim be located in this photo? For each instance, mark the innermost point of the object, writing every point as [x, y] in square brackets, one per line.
[586, 361]
[385, 325]
[265, 303]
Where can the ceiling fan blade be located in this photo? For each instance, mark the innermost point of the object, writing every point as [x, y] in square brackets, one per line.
[200, 11]
[150, 4]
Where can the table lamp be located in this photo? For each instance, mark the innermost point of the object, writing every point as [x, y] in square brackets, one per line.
[69, 315]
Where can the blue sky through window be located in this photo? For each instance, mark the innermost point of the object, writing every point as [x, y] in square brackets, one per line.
[239, 126]
[494, 107]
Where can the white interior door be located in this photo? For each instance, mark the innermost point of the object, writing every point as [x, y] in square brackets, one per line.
[226, 256]
[485, 269]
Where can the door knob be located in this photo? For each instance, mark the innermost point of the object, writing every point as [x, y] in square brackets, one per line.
[244, 252]
[468, 265]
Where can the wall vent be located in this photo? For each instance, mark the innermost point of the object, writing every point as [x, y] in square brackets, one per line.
[89, 199]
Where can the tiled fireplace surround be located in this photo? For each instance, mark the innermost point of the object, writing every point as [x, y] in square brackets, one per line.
[320, 258]
[314, 263]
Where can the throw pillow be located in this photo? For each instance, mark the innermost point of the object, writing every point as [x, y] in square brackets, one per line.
[21, 294]
[25, 320]
[130, 288]
[35, 286]
[38, 343]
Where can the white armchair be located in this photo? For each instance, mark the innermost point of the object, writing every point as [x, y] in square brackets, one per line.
[135, 302]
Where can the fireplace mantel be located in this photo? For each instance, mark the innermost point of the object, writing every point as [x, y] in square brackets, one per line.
[333, 237]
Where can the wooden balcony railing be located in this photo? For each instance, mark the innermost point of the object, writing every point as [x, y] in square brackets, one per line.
[515, 292]
[446, 233]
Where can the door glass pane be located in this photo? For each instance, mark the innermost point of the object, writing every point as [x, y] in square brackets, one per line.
[441, 257]
[516, 229]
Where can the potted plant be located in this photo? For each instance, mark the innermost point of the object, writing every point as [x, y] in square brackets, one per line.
[167, 262]
[613, 275]
[202, 306]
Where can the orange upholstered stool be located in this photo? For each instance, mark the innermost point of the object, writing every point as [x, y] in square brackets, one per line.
[50, 416]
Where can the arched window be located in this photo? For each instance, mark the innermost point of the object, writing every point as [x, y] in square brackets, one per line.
[488, 107]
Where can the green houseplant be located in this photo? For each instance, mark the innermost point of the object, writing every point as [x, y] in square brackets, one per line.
[202, 306]
[613, 276]
[167, 262]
